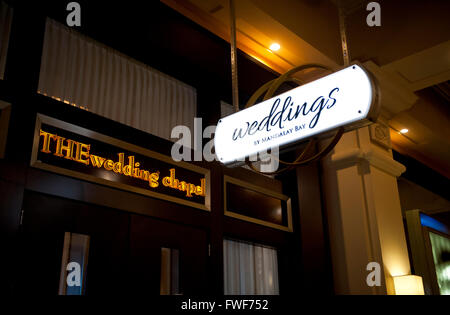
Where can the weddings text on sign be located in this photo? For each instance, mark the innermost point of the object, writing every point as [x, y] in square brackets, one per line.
[347, 98]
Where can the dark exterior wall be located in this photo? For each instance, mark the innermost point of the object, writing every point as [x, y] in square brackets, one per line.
[169, 42]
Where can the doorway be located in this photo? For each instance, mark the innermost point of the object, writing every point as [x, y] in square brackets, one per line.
[125, 253]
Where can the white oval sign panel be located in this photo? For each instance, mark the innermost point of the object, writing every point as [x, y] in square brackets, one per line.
[345, 98]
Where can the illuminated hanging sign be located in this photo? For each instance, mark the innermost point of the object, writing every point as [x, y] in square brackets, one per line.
[71, 150]
[346, 98]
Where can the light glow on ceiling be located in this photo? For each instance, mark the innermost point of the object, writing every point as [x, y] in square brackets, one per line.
[275, 47]
[404, 130]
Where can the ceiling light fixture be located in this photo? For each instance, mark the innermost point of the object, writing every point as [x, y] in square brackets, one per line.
[404, 130]
[275, 47]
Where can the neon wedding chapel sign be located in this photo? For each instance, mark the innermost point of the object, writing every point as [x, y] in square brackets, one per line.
[74, 151]
[346, 98]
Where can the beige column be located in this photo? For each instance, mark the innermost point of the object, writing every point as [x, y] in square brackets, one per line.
[362, 204]
[363, 210]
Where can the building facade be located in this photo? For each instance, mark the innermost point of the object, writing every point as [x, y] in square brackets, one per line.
[88, 176]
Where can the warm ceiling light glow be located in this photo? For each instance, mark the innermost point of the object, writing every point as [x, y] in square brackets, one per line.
[404, 130]
[275, 47]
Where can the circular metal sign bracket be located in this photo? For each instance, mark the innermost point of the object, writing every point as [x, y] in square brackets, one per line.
[270, 88]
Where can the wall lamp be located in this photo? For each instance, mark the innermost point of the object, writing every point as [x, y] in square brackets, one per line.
[408, 285]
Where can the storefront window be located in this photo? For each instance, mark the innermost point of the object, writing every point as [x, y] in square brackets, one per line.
[256, 204]
[170, 283]
[249, 269]
[440, 246]
[82, 72]
[74, 264]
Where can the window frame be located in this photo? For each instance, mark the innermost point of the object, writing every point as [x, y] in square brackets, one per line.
[228, 179]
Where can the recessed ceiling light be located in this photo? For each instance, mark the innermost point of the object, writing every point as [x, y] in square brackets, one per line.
[275, 47]
[404, 130]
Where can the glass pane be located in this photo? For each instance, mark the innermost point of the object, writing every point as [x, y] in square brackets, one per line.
[249, 269]
[74, 264]
[441, 256]
[170, 271]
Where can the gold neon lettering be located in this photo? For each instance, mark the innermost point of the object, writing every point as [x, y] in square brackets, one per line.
[108, 165]
[153, 180]
[97, 161]
[46, 142]
[166, 181]
[136, 170]
[201, 190]
[174, 181]
[144, 175]
[81, 152]
[129, 169]
[190, 190]
[67, 148]
[182, 186]
[170, 181]
[117, 168]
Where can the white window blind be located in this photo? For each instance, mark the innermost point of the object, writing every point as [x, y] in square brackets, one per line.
[5, 27]
[82, 72]
[249, 269]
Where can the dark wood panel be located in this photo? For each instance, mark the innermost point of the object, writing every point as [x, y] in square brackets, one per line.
[207, 69]
[45, 221]
[147, 237]
[25, 48]
[314, 245]
[216, 231]
[256, 205]
[235, 228]
[11, 195]
[254, 178]
[423, 175]
[71, 188]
